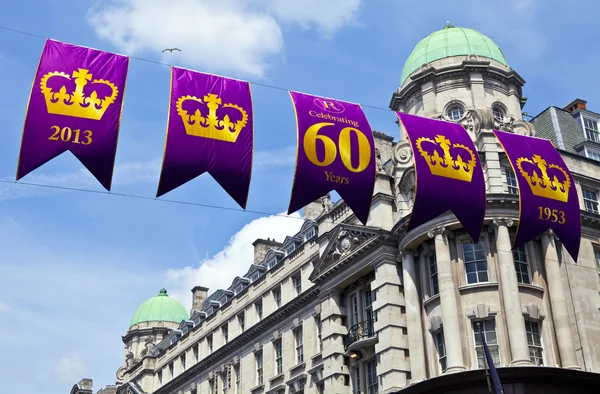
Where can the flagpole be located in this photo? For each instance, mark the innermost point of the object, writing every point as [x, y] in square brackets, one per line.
[487, 374]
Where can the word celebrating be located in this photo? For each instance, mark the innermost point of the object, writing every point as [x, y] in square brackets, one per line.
[553, 215]
[67, 135]
[331, 149]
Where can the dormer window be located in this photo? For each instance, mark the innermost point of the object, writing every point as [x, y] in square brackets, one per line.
[238, 289]
[310, 234]
[290, 249]
[272, 263]
[455, 112]
[255, 276]
[591, 130]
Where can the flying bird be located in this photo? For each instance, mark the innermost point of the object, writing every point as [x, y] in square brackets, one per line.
[171, 50]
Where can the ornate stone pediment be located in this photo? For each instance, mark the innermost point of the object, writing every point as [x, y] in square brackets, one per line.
[345, 241]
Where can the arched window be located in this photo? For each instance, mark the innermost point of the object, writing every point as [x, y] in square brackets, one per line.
[455, 112]
[499, 112]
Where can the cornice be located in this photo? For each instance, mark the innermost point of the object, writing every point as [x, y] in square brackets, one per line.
[224, 352]
[140, 332]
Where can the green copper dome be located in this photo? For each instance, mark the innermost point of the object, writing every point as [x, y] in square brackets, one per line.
[451, 41]
[160, 308]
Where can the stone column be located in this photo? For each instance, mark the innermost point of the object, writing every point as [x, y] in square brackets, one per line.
[414, 324]
[558, 301]
[511, 297]
[449, 306]
[392, 363]
[333, 344]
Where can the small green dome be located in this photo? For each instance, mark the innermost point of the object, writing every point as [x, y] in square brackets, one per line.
[160, 308]
[451, 41]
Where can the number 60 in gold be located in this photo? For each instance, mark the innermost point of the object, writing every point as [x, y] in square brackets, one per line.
[310, 147]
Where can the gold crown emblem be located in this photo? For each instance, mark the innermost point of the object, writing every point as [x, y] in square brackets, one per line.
[447, 166]
[76, 104]
[210, 126]
[544, 186]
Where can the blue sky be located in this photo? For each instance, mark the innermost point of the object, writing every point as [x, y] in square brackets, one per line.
[74, 266]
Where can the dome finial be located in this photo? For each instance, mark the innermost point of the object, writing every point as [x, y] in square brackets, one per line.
[448, 25]
[163, 292]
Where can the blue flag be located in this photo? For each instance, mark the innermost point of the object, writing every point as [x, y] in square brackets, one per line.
[490, 363]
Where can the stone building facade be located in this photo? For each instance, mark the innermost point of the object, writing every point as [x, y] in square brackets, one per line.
[346, 308]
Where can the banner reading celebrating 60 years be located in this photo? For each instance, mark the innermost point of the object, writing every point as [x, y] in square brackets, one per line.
[547, 195]
[209, 129]
[448, 173]
[75, 105]
[336, 151]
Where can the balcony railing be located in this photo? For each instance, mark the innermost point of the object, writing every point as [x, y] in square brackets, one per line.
[359, 331]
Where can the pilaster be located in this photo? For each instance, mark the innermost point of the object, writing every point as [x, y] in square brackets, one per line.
[335, 369]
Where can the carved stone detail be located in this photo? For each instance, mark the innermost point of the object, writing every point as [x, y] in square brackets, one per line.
[326, 203]
[403, 154]
[412, 100]
[506, 222]
[360, 283]
[379, 162]
[440, 230]
[344, 244]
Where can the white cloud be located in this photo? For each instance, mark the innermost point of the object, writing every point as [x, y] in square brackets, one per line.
[228, 36]
[234, 260]
[70, 368]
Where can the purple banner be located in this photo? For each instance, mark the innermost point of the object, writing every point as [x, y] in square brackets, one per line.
[209, 129]
[448, 173]
[547, 195]
[336, 151]
[75, 105]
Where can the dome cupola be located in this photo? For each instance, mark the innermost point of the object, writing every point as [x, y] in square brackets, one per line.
[160, 308]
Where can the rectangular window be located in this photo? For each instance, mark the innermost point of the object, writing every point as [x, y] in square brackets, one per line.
[171, 371]
[597, 257]
[258, 356]
[590, 199]
[321, 388]
[259, 310]
[236, 373]
[592, 154]
[277, 296]
[297, 280]
[489, 332]
[238, 289]
[591, 130]
[255, 276]
[310, 234]
[209, 343]
[242, 321]
[521, 265]
[211, 386]
[182, 361]
[475, 262]
[196, 350]
[355, 310]
[319, 326]
[278, 357]
[290, 249]
[372, 384]
[433, 276]
[272, 263]
[511, 181]
[440, 345]
[356, 379]
[368, 312]
[225, 332]
[298, 338]
[534, 340]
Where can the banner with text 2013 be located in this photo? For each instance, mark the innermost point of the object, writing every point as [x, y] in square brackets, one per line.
[336, 151]
[547, 195]
[209, 129]
[449, 176]
[75, 105]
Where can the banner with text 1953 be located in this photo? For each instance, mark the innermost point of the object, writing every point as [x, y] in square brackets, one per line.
[209, 129]
[75, 105]
[449, 176]
[336, 151]
[547, 195]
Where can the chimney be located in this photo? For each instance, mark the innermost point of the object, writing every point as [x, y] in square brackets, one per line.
[575, 105]
[85, 386]
[199, 294]
[262, 246]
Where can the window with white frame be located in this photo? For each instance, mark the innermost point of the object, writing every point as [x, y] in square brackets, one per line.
[297, 281]
[455, 112]
[259, 309]
[255, 276]
[590, 200]
[277, 296]
[434, 287]
[356, 389]
[440, 346]
[592, 154]
[238, 289]
[278, 356]
[511, 181]
[299, 341]
[591, 130]
[372, 384]
[290, 249]
[310, 233]
[522, 265]
[475, 262]
[534, 340]
[242, 321]
[258, 357]
[272, 263]
[489, 333]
